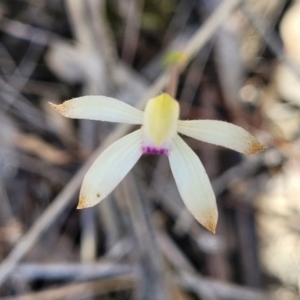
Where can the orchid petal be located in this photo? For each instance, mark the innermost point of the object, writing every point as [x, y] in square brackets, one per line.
[100, 108]
[221, 133]
[193, 184]
[109, 169]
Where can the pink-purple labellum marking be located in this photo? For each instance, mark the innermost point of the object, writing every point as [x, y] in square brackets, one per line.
[156, 151]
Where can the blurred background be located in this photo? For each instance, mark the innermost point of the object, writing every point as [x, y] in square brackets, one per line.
[140, 242]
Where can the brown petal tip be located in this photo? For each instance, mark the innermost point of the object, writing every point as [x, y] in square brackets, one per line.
[211, 226]
[53, 105]
[255, 147]
[83, 203]
[212, 229]
[61, 108]
[211, 219]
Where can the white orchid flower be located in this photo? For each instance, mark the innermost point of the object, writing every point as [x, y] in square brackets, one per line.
[158, 135]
